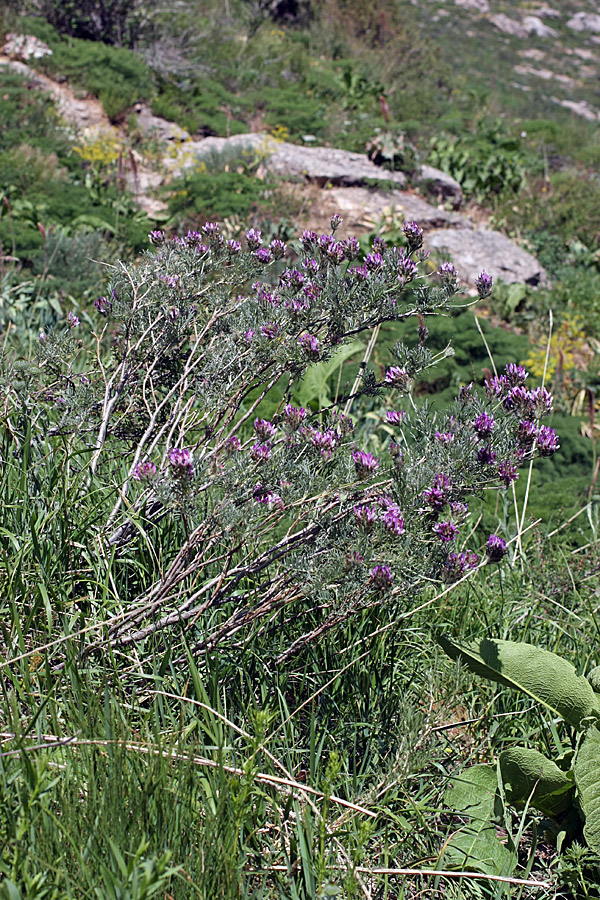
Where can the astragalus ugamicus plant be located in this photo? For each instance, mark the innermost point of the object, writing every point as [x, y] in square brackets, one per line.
[182, 401]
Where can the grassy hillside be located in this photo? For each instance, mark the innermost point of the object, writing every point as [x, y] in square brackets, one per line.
[223, 610]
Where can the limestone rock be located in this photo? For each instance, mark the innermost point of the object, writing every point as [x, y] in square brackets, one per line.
[583, 21]
[155, 126]
[362, 208]
[441, 185]
[474, 250]
[534, 25]
[322, 165]
[509, 26]
[25, 47]
[480, 6]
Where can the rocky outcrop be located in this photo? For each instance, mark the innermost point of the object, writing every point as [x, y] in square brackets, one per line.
[367, 196]
[583, 21]
[472, 250]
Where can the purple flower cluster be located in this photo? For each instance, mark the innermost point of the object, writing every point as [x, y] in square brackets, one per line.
[495, 548]
[264, 429]
[365, 463]
[157, 238]
[211, 231]
[182, 464]
[233, 247]
[144, 471]
[325, 442]
[264, 495]
[458, 564]
[398, 377]
[294, 416]
[233, 444]
[392, 517]
[310, 344]
[263, 255]
[260, 452]
[366, 515]
[253, 238]
[444, 437]
[484, 285]
[436, 496]
[413, 234]
[448, 273]
[446, 531]
[278, 248]
[360, 273]
[395, 416]
[104, 305]
[407, 269]
[382, 578]
[483, 426]
[72, 320]
[374, 261]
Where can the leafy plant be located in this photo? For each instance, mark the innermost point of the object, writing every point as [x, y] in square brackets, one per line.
[486, 163]
[393, 151]
[524, 776]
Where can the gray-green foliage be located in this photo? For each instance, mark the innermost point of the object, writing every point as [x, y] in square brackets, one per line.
[524, 776]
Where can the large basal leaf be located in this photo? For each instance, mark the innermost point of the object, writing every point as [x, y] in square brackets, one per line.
[475, 845]
[315, 384]
[528, 775]
[542, 675]
[587, 778]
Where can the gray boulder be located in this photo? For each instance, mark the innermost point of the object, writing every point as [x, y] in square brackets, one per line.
[322, 165]
[442, 186]
[363, 208]
[583, 21]
[534, 25]
[471, 251]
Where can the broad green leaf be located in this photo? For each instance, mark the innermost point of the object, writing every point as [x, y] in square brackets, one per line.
[529, 775]
[475, 845]
[315, 384]
[587, 778]
[542, 675]
[474, 792]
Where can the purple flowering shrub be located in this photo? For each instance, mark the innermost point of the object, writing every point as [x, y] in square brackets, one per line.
[287, 510]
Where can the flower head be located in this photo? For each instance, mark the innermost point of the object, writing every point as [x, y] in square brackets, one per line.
[382, 577]
[253, 238]
[365, 463]
[395, 416]
[483, 426]
[264, 429]
[260, 452]
[446, 531]
[448, 273]
[547, 441]
[484, 285]
[277, 248]
[365, 515]
[398, 377]
[144, 471]
[72, 320]
[495, 548]
[458, 564]
[413, 234]
[294, 416]
[310, 345]
[507, 472]
[182, 463]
